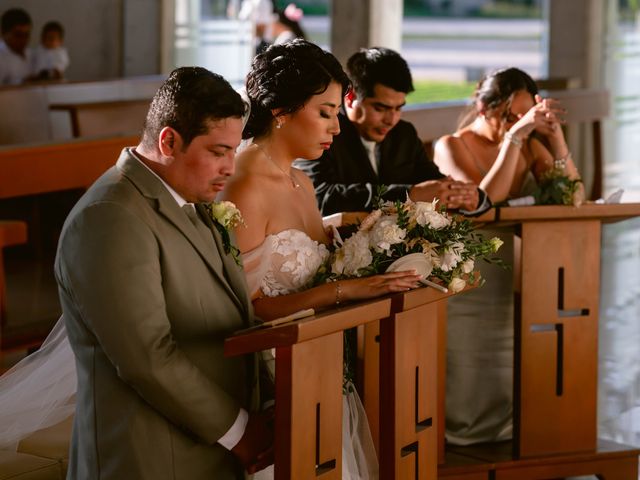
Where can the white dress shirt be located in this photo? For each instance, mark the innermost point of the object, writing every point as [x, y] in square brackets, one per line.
[13, 67]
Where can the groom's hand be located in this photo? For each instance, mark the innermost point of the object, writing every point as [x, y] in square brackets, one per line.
[255, 448]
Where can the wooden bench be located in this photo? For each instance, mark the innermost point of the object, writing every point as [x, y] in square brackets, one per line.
[584, 107]
[41, 169]
[61, 111]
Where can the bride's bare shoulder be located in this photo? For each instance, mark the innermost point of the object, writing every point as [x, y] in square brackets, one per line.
[246, 185]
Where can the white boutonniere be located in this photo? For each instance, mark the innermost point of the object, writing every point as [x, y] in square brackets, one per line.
[226, 216]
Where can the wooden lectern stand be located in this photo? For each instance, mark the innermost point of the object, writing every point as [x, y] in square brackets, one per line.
[309, 370]
[401, 370]
[556, 283]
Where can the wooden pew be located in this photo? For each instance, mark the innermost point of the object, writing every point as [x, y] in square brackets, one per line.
[584, 107]
[40, 169]
[46, 112]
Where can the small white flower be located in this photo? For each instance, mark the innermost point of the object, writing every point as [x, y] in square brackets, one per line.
[496, 243]
[467, 265]
[385, 233]
[451, 256]
[457, 284]
[353, 255]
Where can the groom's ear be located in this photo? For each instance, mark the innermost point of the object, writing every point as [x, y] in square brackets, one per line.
[167, 141]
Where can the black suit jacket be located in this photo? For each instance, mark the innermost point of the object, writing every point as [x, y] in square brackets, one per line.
[344, 179]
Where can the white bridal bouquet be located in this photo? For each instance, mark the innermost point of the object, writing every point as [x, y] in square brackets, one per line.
[414, 235]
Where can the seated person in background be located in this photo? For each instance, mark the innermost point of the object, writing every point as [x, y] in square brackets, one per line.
[501, 148]
[286, 25]
[15, 66]
[50, 58]
[501, 143]
[376, 148]
[261, 13]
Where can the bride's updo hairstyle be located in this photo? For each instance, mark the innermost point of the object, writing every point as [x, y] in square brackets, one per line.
[284, 77]
[498, 88]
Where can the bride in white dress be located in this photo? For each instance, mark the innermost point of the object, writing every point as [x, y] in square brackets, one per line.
[295, 90]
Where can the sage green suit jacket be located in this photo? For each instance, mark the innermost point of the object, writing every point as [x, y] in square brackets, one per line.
[147, 303]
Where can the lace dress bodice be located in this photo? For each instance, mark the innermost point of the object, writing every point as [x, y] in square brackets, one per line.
[284, 263]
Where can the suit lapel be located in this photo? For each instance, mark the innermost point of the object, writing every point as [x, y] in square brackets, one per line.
[234, 273]
[151, 187]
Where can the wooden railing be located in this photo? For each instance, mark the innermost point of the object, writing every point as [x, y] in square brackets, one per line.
[60, 111]
[40, 169]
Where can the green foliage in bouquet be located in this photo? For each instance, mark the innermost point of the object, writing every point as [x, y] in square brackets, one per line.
[556, 188]
[444, 246]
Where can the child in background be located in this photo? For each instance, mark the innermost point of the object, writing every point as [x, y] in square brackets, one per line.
[50, 58]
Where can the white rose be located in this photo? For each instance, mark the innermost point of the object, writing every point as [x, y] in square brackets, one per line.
[467, 265]
[226, 213]
[353, 255]
[385, 233]
[425, 214]
[457, 284]
[451, 256]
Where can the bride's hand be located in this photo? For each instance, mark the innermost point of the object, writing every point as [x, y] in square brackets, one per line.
[369, 287]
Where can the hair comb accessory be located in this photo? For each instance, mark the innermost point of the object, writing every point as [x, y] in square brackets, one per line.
[293, 13]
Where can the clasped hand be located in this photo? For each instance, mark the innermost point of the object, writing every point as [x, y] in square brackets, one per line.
[545, 117]
[451, 193]
[255, 448]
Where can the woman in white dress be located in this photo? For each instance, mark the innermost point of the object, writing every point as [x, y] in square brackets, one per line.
[295, 90]
[509, 139]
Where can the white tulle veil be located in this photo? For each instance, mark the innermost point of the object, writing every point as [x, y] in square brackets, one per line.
[38, 391]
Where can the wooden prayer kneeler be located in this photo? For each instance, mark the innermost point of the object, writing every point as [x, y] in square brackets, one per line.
[309, 371]
[556, 292]
[401, 368]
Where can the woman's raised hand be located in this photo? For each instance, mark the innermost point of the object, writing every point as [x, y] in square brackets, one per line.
[374, 286]
[545, 117]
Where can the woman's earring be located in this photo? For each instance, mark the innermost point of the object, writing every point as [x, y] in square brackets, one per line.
[278, 124]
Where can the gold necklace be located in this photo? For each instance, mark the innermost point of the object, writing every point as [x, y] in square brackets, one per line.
[266, 154]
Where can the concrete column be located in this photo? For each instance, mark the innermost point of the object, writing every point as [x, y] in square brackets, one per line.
[365, 23]
[141, 40]
[385, 17]
[576, 40]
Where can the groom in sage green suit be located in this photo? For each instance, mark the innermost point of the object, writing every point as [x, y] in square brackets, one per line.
[149, 295]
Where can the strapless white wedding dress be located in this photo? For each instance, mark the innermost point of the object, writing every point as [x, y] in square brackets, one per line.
[286, 263]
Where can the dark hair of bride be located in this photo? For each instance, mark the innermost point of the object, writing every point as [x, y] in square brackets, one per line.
[498, 88]
[284, 77]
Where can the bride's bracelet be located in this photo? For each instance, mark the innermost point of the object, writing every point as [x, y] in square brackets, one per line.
[561, 163]
[511, 138]
[338, 292]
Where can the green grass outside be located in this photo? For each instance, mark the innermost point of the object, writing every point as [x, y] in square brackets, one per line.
[497, 9]
[427, 91]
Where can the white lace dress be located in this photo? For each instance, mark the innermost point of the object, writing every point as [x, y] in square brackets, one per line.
[286, 263]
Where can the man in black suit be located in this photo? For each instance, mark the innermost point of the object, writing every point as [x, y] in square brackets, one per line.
[375, 148]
